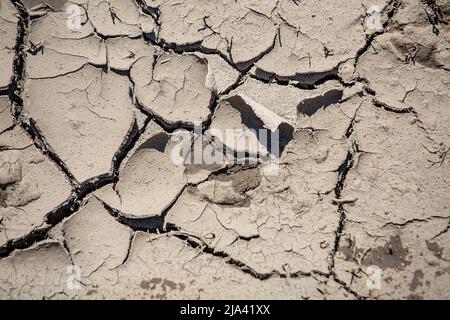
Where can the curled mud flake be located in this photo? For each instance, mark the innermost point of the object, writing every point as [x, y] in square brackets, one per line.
[282, 99]
[314, 40]
[95, 239]
[296, 50]
[31, 186]
[84, 116]
[114, 18]
[231, 28]
[149, 181]
[220, 193]
[230, 188]
[245, 126]
[55, 48]
[221, 75]
[175, 89]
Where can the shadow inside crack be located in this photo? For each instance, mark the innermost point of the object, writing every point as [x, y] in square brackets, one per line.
[310, 106]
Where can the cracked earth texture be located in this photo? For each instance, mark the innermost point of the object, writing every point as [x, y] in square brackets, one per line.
[87, 117]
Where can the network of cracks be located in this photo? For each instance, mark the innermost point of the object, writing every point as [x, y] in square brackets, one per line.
[95, 95]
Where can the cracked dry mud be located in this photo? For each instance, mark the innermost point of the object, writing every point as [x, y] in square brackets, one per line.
[90, 117]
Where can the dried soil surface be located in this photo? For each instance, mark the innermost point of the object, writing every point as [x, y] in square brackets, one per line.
[96, 94]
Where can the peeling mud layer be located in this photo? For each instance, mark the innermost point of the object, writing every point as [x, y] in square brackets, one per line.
[106, 105]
